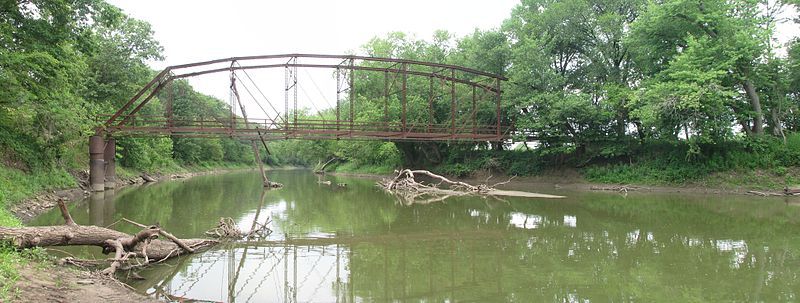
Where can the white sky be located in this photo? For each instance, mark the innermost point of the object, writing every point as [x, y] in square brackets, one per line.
[197, 30]
[202, 30]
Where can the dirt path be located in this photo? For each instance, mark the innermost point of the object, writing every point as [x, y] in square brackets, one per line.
[59, 284]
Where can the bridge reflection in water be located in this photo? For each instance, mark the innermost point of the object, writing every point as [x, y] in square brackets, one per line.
[356, 244]
[298, 270]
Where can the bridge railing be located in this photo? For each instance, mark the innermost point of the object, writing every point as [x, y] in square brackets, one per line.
[303, 128]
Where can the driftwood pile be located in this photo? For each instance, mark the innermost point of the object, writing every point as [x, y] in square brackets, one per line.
[411, 191]
[786, 192]
[226, 229]
[620, 188]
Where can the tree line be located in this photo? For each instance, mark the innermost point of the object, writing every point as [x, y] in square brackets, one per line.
[612, 86]
[64, 62]
[679, 86]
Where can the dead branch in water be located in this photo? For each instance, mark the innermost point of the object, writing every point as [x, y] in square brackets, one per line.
[227, 230]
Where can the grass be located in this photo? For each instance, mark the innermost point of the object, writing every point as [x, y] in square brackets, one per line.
[10, 260]
[16, 185]
[123, 172]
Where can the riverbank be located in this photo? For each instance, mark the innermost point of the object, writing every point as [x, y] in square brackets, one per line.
[735, 183]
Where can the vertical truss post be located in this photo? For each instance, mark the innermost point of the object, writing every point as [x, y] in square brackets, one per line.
[453, 102]
[233, 111]
[404, 68]
[256, 153]
[168, 106]
[474, 111]
[385, 99]
[430, 105]
[352, 79]
[338, 91]
[286, 98]
[497, 101]
[294, 85]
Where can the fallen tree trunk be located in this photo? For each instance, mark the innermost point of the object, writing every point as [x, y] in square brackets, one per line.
[141, 245]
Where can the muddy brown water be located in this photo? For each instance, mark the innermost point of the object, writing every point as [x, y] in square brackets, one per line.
[357, 244]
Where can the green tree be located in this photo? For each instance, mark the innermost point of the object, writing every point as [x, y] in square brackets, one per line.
[725, 41]
[571, 72]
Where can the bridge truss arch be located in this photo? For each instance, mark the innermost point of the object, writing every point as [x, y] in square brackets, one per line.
[464, 88]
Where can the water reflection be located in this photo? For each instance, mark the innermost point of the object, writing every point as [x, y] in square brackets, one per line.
[334, 244]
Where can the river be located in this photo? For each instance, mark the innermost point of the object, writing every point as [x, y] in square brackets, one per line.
[357, 244]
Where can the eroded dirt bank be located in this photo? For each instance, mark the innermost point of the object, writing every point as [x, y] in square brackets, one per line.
[60, 284]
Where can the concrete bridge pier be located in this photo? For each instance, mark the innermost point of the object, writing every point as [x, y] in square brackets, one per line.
[109, 156]
[97, 175]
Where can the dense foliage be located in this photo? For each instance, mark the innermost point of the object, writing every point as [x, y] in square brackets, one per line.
[62, 62]
[65, 61]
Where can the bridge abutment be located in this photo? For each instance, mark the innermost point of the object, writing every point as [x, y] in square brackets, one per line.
[97, 174]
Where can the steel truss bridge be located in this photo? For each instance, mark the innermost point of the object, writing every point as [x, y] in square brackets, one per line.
[469, 92]
[443, 81]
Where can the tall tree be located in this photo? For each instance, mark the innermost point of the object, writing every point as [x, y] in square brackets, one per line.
[723, 40]
[570, 69]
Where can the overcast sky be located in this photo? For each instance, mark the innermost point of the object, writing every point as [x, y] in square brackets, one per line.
[192, 30]
[201, 30]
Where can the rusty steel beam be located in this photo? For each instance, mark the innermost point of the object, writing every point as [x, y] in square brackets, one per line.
[497, 96]
[142, 104]
[453, 103]
[334, 66]
[330, 135]
[386, 96]
[344, 58]
[351, 78]
[403, 92]
[137, 96]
